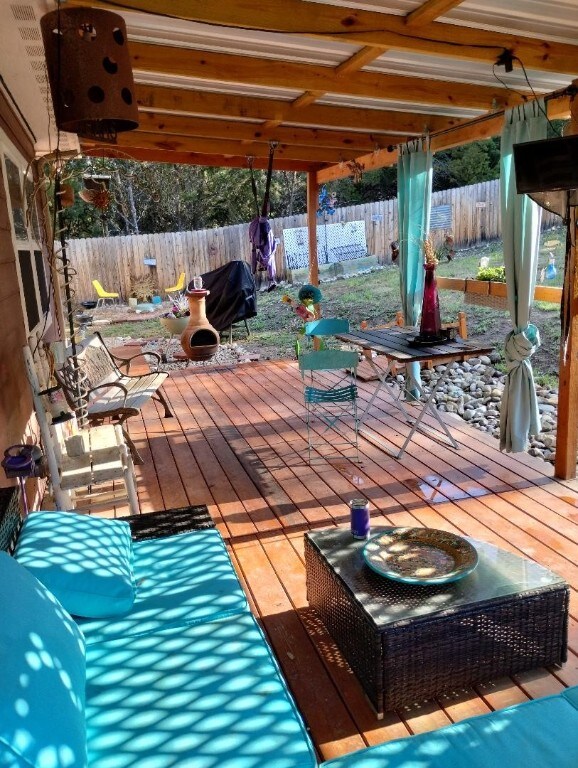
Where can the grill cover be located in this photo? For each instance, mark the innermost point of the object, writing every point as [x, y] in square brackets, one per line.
[232, 295]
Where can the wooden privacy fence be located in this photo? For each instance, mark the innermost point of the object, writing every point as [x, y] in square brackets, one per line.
[470, 214]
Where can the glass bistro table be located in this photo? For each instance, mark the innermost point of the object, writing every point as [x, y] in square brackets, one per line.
[407, 643]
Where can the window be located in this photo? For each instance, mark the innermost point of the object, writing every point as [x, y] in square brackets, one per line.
[31, 266]
[42, 282]
[16, 200]
[30, 300]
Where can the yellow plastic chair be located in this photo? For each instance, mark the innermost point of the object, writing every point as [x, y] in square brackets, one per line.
[103, 296]
[179, 287]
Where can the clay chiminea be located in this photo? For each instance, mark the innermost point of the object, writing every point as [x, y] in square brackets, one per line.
[199, 340]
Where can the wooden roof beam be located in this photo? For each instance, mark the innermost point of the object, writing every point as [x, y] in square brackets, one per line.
[182, 101]
[291, 75]
[185, 125]
[210, 146]
[361, 27]
[474, 130]
[147, 155]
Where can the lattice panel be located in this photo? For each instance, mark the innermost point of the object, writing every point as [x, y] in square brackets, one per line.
[335, 242]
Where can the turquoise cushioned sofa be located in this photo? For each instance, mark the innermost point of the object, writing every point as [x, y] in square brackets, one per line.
[185, 678]
[536, 734]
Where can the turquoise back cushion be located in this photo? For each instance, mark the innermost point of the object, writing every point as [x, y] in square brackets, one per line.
[534, 734]
[42, 676]
[86, 562]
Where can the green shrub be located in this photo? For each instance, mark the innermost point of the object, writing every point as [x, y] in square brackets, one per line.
[497, 274]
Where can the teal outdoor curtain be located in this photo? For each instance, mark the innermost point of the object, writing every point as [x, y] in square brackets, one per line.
[414, 183]
[521, 232]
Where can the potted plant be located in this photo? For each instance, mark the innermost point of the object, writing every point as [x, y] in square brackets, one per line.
[176, 319]
[142, 288]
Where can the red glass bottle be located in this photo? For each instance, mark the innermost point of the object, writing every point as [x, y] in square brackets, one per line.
[430, 328]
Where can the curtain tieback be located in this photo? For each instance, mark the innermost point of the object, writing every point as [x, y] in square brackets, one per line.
[521, 345]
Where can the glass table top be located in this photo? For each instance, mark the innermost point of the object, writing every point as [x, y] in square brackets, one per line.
[498, 575]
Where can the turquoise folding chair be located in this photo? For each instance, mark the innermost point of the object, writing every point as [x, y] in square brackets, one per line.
[330, 390]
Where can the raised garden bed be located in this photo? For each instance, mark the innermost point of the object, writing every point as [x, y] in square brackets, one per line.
[489, 293]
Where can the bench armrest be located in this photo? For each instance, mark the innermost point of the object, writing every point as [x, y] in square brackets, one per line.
[126, 361]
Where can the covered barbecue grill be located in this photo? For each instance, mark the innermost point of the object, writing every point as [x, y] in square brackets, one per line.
[232, 298]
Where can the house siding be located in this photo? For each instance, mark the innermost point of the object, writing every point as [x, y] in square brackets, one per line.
[17, 424]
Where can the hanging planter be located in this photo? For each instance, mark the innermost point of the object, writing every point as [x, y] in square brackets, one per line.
[96, 191]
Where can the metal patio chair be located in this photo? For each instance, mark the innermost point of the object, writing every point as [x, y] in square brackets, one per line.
[330, 389]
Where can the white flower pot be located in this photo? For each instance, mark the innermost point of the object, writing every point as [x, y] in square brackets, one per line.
[174, 325]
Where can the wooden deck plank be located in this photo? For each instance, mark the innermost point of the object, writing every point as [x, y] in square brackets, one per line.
[523, 501]
[222, 470]
[328, 719]
[434, 490]
[238, 442]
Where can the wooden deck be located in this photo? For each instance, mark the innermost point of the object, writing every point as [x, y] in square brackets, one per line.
[238, 444]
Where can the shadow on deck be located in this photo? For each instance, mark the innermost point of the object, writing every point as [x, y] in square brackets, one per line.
[237, 443]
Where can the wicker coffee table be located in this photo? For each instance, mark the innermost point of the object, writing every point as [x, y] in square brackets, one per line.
[408, 643]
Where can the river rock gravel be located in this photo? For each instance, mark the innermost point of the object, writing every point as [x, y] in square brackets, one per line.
[473, 390]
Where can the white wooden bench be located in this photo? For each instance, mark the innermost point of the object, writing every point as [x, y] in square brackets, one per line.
[89, 468]
[107, 391]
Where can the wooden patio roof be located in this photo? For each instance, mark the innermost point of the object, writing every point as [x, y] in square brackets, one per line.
[238, 444]
[333, 81]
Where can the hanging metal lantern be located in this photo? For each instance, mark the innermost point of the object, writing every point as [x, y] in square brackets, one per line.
[90, 72]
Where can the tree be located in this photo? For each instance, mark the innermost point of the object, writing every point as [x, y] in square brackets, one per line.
[470, 164]
[163, 197]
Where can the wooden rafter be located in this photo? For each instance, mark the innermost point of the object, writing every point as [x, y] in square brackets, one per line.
[429, 11]
[352, 64]
[212, 146]
[179, 125]
[146, 155]
[183, 101]
[485, 128]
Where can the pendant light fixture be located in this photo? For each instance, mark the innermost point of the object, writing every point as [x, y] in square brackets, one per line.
[90, 72]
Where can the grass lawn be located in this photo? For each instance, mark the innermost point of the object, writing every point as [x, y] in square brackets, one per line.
[374, 297]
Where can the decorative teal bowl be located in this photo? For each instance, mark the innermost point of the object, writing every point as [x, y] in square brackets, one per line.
[420, 555]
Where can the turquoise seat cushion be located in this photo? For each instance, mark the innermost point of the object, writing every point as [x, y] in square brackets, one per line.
[86, 562]
[180, 580]
[536, 733]
[42, 676]
[571, 695]
[208, 695]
